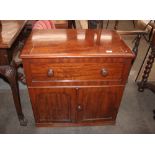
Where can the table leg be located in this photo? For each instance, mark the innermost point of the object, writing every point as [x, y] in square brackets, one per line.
[137, 41]
[10, 73]
[107, 24]
[116, 24]
[71, 23]
[144, 84]
[142, 63]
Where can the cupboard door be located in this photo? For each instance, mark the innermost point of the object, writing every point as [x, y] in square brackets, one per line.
[98, 103]
[53, 104]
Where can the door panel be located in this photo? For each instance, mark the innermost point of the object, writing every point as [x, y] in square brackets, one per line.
[98, 103]
[53, 104]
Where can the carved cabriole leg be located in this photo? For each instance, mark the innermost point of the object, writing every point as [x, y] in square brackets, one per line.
[10, 74]
[16, 62]
[147, 70]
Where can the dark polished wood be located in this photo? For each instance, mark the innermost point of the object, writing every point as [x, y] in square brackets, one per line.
[97, 104]
[11, 34]
[76, 77]
[59, 104]
[75, 43]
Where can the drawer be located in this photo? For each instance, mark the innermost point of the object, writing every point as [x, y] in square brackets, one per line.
[47, 70]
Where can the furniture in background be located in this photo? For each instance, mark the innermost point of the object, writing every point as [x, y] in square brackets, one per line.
[54, 24]
[136, 41]
[150, 29]
[44, 24]
[58, 24]
[94, 24]
[11, 40]
[61, 24]
[117, 23]
[139, 30]
[144, 84]
[152, 26]
[71, 24]
[78, 78]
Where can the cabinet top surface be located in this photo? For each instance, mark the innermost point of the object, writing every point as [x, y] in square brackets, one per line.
[9, 31]
[75, 43]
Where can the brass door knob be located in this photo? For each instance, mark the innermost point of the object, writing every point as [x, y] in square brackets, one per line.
[50, 73]
[104, 72]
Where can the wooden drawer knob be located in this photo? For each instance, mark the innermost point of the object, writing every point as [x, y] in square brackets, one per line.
[50, 73]
[79, 107]
[104, 72]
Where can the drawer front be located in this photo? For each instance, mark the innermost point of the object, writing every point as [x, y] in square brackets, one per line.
[75, 71]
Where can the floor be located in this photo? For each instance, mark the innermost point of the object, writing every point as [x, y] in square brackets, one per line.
[134, 116]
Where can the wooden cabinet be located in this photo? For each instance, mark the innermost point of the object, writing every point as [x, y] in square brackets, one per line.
[98, 103]
[76, 77]
[53, 105]
[71, 105]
